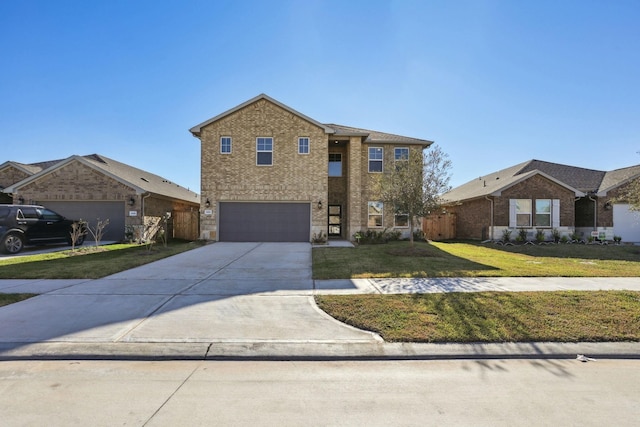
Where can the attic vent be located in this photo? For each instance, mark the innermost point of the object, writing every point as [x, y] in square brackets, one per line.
[144, 179]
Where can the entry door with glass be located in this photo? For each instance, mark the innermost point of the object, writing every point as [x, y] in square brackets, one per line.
[335, 220]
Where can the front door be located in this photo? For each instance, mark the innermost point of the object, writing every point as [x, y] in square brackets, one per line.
[335, 221]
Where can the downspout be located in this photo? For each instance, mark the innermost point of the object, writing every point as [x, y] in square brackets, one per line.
[144, 196]
[491, 226]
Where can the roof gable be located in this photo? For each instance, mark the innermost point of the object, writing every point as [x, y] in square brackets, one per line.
[618, 177]
[196, 130]
[495, 183]
[585, 180]
[139, 180]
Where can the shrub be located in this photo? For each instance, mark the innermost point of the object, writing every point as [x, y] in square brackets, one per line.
[373, 237]
[522, 235]
[319, 238]
[540, 236]
[555, 233]
[506, 235]
[418, 235]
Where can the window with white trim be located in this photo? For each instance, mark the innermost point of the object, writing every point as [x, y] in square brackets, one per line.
[303, 145]
[375, 214]
[264, 151]
[376, 155]
[225, 145]
[543, 213]
[523, 212]
[546, 213]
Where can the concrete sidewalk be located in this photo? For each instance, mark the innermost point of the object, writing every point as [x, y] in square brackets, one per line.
[243, 300]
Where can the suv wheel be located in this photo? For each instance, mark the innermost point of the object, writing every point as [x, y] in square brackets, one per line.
[12, 243]
[79, 241]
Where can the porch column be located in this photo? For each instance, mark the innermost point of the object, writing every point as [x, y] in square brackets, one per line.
[354, 171]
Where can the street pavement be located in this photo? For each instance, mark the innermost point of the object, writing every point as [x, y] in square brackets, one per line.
[243, 300]
[320, 393]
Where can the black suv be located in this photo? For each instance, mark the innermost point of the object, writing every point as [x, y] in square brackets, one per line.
[30, 225]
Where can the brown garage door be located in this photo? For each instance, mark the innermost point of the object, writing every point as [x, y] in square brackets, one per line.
[91, 211]
[264, 222]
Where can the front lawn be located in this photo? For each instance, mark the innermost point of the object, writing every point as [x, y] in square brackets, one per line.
[88, 262]
[471, 259]
[569, 316]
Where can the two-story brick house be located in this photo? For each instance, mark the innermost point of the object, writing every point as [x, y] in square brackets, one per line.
[270, 173]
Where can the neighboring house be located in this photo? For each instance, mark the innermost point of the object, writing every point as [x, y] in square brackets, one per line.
[538, 195]
[95, 187]
[270, 173]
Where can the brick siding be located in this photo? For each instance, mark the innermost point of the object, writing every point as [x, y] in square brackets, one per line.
[236, 177]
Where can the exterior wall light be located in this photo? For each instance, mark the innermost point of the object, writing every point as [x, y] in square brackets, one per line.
[132, 201]
[21, 200]
[319, 204]
[207, 204]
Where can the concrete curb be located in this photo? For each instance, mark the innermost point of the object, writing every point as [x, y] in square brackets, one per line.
[309, 350]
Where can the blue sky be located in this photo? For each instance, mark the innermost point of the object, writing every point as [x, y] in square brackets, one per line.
[494, 83]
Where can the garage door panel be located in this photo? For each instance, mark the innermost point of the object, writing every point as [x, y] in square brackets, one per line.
[626, 223]
[264, 222]
[91, 211]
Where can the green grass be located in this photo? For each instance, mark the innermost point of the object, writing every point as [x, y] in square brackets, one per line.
[570, 316]
[469, 259]
[6, 299]
[87, 263]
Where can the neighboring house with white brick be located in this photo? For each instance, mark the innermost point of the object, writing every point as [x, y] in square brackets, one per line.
[270, 173]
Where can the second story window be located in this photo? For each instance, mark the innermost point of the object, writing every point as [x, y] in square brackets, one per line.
[401, 153]
[264, 151]
[225, 145]
[303, 145]
[375, 159]
[335, 164]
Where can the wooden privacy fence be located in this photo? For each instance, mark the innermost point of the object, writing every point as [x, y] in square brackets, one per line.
[439, 227]
[186, 225]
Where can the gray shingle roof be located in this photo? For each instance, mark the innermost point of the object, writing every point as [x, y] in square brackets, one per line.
[585, 180]
[333, 129]
[615, 178]
[581, 180]
[373, 136]
[140, 180]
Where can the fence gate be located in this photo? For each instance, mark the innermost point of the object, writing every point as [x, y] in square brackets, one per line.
[186, 225]
[439, 227]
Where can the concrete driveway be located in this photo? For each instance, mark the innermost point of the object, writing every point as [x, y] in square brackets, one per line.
[220, 293]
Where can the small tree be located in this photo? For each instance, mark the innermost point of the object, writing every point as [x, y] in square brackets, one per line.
[77, 233]
[413, 186]
[98, 231]
[631, 195]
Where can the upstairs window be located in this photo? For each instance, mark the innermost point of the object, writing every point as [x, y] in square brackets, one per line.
[303, 145]
[400, 154]
[225, 145]
[335, 164]
[264, 151]
[375, 159]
